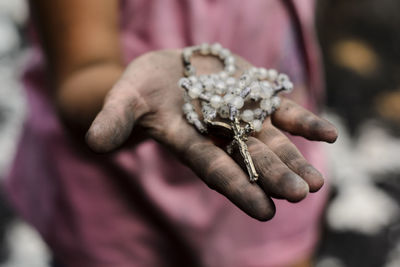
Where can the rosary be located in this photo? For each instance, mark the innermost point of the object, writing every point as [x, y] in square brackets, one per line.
[230, 108]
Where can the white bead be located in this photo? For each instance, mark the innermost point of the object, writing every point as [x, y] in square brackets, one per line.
[230, 69]
[209, 112]
[216, 101]
[224, 53]
[183, 81]
[215, 77]
[193, 79]
[187, 107]
[262, 74]
[216, 48]
[208, 84]
[202, 78]
[255, 91]
[228, 98]
[257, 124]
[266, 105]
[208, 95]
[237, 102]
[223, 112]
[192, 116]
[204, 49]
[272, 74]
[257, 113]
[288, 86]
[235, 90]
[230, 60]
[275, 102]
[252, 71]
[220, 87]
[283, 78]
[255, 87]
[266, 90]
[230, 81]
[245, 77]
[195, 90]
[241, 84]
[247, 115]
[189, 70]
[223, 75]
[187, 53]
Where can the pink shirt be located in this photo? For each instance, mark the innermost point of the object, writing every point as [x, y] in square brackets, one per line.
[140, 207]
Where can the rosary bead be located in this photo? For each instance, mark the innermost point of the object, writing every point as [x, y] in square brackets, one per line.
[230, 81]
[189, 70]
[230, 69]
[228, 98]
[195, 90]
[247, 115]
[230, 60]
[288, 85]
[223, 112]
[187, 107]
[223, 75]
[283, 78]
[184, 83]
[209, 113]
[266, 90]
[272, 74]
[216, 101]
[245, 77]
[216, 48]
[257, 124]
[237, 102]
[192, 116]
[255, 87]
[275, 102]
[262, 73]
[208, 84]
[258, 113]
[252, 71]
[205, 96]
[193, 79]
[203, 78]
[204, 49]
[235, 90]
[197, 123]
[187, 53]
[224, 53]
[242, 84]
[220, 87]
[266, 105]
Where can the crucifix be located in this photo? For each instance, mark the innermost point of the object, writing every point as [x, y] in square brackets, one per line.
[239, 136]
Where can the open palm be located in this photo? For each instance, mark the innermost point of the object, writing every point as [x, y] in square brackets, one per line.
[147, 97]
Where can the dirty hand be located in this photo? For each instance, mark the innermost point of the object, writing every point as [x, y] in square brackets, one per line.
[147, 97]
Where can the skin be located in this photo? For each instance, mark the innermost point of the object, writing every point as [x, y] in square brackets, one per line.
[93, 90]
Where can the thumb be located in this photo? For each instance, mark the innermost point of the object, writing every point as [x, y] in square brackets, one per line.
[122, 108]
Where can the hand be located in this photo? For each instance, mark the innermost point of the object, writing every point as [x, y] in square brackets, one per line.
[147, 96]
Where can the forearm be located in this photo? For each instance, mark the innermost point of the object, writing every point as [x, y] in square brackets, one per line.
[79, 97]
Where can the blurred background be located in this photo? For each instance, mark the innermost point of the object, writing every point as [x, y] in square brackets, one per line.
[360, 41]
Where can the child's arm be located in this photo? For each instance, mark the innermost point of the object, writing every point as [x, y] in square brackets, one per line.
[81, 42]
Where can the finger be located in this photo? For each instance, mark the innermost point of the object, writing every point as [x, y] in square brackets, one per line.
[123, 106]
[296, 120]
[217, 169]
[291, 156]
[274, 176]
